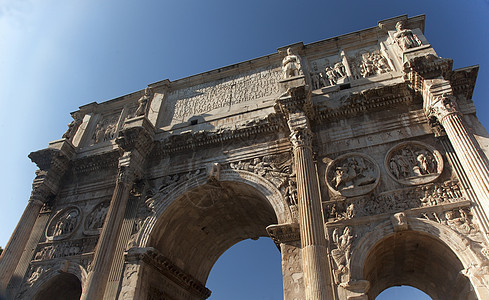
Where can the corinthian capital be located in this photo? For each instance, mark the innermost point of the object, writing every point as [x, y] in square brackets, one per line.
[301, 137]
[443, 106]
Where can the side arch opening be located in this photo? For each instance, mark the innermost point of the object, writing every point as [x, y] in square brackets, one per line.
[204, 222]
[64, 286]
[419, 260]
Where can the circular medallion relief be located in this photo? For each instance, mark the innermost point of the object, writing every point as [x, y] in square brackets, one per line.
[64, 223]
[352, 174]
[413, 163]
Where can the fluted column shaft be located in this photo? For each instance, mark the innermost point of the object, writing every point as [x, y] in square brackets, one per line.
[440, 103]
[106, 246]
[313, 242]
[16, 245]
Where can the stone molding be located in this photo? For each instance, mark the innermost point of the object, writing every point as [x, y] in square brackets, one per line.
[191, 140]
[167, 268]
[284, 233]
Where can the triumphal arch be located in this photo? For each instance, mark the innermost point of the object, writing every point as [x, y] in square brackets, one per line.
[361, 157]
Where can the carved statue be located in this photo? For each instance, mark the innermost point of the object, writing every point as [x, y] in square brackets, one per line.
[405, 38]
[291, 65]
[73, 126]
[143, 102]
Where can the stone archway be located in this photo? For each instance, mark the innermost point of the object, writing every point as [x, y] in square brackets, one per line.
[64, 286]
[191, 231]
[427, 256]
[63, 280]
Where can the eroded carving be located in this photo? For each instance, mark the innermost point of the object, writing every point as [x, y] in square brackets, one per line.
[352, 174]
[73, 126]
[405, 38]
[291, 65]
[413, 163]
[64, 249]
[105, 130]
[341, 254]
[232, 90]
[395, 201]
[63, 223]
[143, 103]
[95, 220]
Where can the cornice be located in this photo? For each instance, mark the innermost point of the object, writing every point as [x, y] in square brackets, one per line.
[197, 139]
[367, 100]
[463, 81]
[166, 267]
[87, 164]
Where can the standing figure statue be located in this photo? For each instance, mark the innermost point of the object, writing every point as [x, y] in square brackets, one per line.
[143, 103]
[291, 65]
[405, 37]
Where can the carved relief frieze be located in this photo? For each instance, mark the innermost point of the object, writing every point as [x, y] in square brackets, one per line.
[327, 71]
[369, 62]
[95, 219]
[413, 163]
[352, 174]
[63, 223]
[105, 130]
[53, 250]
[231, 90]
[275, 168]
[432, 194]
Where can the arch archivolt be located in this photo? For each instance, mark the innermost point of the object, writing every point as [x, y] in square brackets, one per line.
[162, 200]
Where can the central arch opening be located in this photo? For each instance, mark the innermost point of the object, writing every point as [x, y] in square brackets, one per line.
[200, 225]
[419, 260]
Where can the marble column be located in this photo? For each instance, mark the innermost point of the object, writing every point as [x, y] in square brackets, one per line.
[135, 139]
[16, 245]
[104, 252]
[315, 262]
[440, 103]
[53, 163]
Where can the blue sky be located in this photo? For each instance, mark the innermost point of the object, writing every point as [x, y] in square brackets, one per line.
[58, 55]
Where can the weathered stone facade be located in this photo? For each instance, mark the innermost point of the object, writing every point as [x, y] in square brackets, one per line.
[361, 156]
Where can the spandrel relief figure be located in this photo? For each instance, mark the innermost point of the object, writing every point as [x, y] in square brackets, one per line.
[413, 163]
[352, 175]
[341, 255]
[405, 38]
[291, 65]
